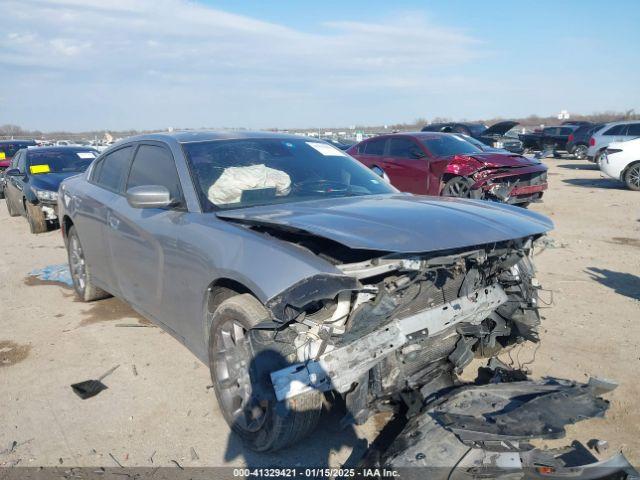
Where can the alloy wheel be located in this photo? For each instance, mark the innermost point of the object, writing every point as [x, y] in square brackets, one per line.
[580, 152]
[77, 264]
[231, 372]
[457, 188]
[633, 177]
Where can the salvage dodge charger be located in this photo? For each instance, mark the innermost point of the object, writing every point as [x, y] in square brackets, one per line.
[292, 270]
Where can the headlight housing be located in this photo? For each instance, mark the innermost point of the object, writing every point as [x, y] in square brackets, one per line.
[45, 195]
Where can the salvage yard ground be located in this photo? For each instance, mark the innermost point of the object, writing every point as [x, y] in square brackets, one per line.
[158, 409]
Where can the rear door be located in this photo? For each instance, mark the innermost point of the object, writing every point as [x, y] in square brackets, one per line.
[406, 165]
[141, 239]
[92, 204]
[371, 153]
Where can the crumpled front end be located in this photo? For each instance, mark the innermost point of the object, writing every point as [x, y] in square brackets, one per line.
[511, 185]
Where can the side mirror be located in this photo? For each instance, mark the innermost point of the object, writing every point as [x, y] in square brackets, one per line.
[149, 196]
[12, 172]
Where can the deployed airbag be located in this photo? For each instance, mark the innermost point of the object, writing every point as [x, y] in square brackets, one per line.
[236, 180]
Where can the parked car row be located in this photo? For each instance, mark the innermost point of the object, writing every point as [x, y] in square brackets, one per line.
[31, 181]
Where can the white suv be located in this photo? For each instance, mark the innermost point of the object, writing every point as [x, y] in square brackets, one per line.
[611, 132]
[621, 160]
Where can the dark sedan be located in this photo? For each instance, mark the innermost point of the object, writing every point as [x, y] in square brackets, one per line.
[8, 148]
[32, 181]
[494, 136]
[446, 164]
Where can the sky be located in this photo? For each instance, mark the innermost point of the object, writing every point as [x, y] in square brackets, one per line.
[80, 65]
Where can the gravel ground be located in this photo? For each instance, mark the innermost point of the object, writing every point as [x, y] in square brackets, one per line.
[158, 409]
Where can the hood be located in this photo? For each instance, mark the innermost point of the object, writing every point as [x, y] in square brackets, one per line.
[497, 160]
[500, 128]
[50, 181]
[399, 223]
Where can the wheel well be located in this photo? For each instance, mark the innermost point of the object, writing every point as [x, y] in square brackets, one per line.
[66, 224]
[448, 176]
[220, 289]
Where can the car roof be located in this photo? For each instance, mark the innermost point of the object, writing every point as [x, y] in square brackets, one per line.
[419, 135]
[19, 142]
[192, 136]
[75, 148]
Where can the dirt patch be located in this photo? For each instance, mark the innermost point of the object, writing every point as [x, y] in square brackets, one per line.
[632, 242]
[12, 353]
[33, 281]
[110, 310]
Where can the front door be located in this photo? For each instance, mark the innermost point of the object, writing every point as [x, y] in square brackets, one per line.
[139, 239]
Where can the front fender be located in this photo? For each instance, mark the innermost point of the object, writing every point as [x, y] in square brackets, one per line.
[463, 166]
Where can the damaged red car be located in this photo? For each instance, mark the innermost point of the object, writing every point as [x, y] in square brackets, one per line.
[434, 163]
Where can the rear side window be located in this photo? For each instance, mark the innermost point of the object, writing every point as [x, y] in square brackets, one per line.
[375, 147]
[616, 130]
[565, 131]
[550, 131]
[21, 164]
[154, 165]
[634, 130]
[111, 170]
[402, 147]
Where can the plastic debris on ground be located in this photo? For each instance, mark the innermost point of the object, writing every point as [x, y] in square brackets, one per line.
[53, 273]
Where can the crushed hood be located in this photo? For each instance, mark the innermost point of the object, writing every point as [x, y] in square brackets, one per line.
[500, 128]
[504, 159]
[399, 223]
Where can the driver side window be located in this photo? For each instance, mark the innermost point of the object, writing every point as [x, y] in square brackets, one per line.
[154, 165]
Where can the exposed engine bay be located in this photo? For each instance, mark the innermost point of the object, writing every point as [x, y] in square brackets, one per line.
[401, 327]
[394, 332]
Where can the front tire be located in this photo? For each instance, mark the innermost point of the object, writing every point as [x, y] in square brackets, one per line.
[632, 177]
[459, 187]
[243, 386]
[80, 271]
[36, 218]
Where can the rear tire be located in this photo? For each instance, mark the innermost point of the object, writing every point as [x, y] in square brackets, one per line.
[264, 424]
[580, 152]
[36, 218]
[80, 271]
[632, 177]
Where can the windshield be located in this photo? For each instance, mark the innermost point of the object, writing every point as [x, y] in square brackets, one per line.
[60, 162]
[242, 173]
[447, 145]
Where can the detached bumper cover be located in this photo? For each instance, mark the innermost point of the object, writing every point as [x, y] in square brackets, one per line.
[483, 432]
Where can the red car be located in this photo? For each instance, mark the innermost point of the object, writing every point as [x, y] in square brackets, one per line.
[432, 163]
